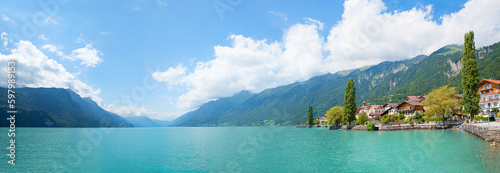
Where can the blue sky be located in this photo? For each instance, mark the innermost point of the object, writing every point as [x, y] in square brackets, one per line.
[164, 58]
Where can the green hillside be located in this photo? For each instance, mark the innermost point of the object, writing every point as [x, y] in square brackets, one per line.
[55, 107]
[378, 84]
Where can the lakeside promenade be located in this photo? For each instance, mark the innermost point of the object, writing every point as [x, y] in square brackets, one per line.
[488, 131]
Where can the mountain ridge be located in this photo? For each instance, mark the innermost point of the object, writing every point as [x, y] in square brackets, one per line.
[389, 81]
[58, 107]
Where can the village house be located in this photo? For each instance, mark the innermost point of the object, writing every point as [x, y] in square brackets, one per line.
[489, 95]
[370, 110]
[375, 111]
[390, 108]
[411, 106]
[322, 120]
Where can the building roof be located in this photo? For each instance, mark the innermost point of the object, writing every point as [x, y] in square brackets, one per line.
[490, 81]
[414, 103]
[391, 104]
[376, 114]
[377, 106]
[416, 98]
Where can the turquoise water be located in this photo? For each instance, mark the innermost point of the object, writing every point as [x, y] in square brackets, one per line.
[246, 149]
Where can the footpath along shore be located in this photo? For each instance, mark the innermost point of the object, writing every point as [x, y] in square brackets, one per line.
[488, 131]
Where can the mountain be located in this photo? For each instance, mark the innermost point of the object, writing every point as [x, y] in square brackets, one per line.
[56, 107]
[377, 84]
[143, 121]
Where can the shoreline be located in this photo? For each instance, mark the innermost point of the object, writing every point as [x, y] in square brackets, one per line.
[487, 131]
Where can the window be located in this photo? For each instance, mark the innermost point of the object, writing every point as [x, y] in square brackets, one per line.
[496, 90]
[483, 86]
[489, 86]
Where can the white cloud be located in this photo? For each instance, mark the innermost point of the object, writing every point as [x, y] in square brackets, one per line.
[129, 110]
[36, 70]
[80, 39]
[161, 2]
[250, 65]
[172, 76]
[104, 33]
[5, 18]
[88, 55]
[49, 20]
[366, 35]
[136, 8]
[4, 38]
[43, 37]
[54, 49]
[279, 14]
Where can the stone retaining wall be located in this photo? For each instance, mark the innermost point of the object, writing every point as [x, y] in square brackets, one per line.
[483, 132]
[359, 127]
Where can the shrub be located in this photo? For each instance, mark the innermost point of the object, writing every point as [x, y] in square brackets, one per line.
[406, 121]
[433, 119]
[418, 117]
[371, 126]
[491, 118]
[401, 117]
[478, 117]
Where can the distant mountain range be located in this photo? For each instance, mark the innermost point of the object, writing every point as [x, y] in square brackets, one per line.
[378, 84]
[56, 107]
[284, 105]
[143, 121]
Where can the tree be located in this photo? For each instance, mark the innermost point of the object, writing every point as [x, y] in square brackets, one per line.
[470, 76]
[370, 126]
[349, 102]
[334, 115]
[401, 117]
[310, 119]
[441, 101]
[362, 118]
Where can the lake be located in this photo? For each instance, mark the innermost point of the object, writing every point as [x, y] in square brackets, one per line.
[246, 149]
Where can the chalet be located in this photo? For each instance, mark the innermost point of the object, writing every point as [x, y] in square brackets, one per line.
[370, 110]
[390, 108]
[363, 108]
[415, 98]
[489, 95]
[458, 97]
[375, 110]
[411, 106]
[322, 119]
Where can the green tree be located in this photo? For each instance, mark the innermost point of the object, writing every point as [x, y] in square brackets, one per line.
[441, 101]
[362, 118]
[370, 126]
[310, 119]
[334, 115]
[470, 76]
[401, 117]
[349, 102]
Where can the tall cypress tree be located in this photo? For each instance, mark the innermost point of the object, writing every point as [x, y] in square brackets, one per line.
[349, 102]
[310, 119]
[470, 76]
